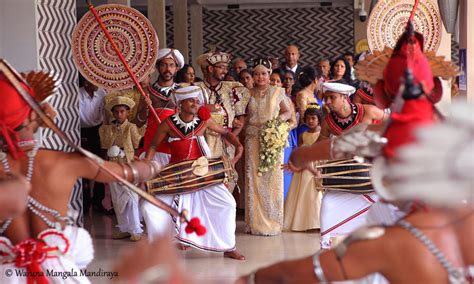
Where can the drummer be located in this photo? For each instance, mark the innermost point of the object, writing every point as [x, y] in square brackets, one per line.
[214, 205]
[343, 212]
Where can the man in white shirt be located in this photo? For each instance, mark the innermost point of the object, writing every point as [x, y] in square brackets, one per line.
[91, 111]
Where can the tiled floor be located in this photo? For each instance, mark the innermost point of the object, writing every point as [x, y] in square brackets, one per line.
[208, 267]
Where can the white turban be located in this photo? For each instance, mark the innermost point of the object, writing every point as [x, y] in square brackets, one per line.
[173, 54]
[188, 92]
[338, 88]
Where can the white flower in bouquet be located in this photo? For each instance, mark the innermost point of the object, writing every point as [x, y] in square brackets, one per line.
[273, 138]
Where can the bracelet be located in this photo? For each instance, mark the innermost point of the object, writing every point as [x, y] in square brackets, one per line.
[318, 270]
[140, 119]
[156, 167]
[152, 170]
[134, 173]
[124, 170]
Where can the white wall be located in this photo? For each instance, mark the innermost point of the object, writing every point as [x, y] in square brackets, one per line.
[18, 35]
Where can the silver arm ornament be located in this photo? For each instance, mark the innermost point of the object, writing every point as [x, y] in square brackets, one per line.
[358, 141]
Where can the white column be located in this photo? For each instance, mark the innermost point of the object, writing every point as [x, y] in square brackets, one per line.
[445, 50]
[18, 42]
[180, 27]
[196, 36]
[360, 28]
[466, 40]
[157, 16]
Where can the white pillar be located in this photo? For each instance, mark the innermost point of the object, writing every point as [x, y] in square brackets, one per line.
[19, 42]
[180, 27]
[196, 36]
[466, 40]
[157, 16]
[444, 50]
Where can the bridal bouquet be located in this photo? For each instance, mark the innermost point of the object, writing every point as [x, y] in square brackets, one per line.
[273, 137]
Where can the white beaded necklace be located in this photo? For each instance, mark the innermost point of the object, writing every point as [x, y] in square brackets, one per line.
[34, 205]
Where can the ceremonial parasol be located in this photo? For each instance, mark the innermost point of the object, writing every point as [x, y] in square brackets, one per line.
[389, 18]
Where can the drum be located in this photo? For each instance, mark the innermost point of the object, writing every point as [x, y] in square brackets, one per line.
[346, 175]
[190, 176]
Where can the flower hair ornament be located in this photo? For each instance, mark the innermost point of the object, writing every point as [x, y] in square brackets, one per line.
[219, 57]
[313, 105]
[262, 63]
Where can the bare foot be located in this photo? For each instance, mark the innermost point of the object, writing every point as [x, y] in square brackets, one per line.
[117, 235]
[135, 237]
[234, 255]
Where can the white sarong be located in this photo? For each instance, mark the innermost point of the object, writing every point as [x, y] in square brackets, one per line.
[68, 263]
[214, 206]
[342, 213]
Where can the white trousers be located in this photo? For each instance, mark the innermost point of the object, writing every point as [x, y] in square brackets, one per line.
[126, 208]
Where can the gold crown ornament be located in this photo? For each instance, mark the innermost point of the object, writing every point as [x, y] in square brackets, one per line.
[219, 57]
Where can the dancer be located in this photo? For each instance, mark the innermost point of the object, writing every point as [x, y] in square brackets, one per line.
[213, 204]
[43, 237]
[343, 212]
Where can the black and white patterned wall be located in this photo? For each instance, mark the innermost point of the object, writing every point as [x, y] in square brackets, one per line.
[55, 22]
[319, 31]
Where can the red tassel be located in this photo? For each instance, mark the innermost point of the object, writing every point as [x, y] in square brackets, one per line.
[189, 229]
[201, 230]
[194, 225]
